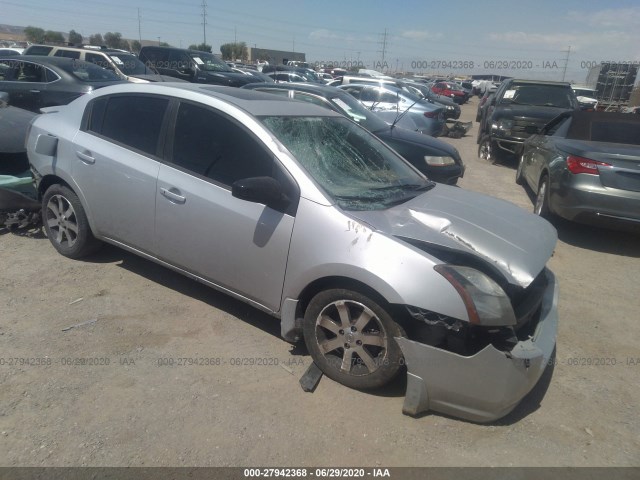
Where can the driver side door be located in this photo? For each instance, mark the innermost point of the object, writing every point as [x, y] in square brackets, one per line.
[238, 245]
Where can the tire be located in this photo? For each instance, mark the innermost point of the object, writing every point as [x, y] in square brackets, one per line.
[66, 224]
[351, 339]
[519, 173]
[486, 150]
[541, 206]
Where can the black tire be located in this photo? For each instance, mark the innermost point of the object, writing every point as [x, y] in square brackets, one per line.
[541, 207]
[351, 339]
[487, 150]
[66, 224]
[519, 171]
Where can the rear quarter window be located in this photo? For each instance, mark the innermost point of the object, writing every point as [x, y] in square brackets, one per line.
[38, 50]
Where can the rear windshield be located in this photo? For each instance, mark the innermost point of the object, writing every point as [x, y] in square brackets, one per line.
[539, 95]
[616, 132]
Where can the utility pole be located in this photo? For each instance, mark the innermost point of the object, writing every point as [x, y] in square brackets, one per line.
[139, 29]
[294, 45]
[235, 34]
[566, 62]
[204, 21]
[384, 45]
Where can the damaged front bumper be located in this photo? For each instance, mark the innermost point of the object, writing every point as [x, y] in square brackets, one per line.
[487, 385]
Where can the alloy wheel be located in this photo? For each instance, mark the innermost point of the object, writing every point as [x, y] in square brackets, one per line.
[62, 221]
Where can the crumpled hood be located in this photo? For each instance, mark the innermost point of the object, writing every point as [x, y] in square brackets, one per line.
[516, 242]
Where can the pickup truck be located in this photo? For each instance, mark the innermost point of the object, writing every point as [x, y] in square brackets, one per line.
[519, 109]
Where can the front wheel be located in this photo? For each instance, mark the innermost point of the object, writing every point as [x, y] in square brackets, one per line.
[486, 150]
[66, 223]
[351, 339]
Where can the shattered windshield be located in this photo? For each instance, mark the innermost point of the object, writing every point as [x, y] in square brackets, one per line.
[354, 168]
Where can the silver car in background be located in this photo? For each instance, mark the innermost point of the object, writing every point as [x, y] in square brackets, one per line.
[399, 107]
[305, 215]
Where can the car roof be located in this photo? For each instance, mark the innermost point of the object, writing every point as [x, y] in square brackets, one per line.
[45, 60]
[253, 102]
[537, 82]
[316, 88]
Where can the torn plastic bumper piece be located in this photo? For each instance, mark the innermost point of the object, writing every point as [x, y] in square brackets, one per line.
[487, 385]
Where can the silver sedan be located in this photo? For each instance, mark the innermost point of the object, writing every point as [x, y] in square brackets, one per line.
[303, 214]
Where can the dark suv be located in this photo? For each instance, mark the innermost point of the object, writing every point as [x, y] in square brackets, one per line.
[192, 66]
[518, 109]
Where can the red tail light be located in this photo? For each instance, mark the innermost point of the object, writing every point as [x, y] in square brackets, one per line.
[433, 114]
[584, 165]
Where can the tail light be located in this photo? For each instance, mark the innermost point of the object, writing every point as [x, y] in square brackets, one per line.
[577, 164]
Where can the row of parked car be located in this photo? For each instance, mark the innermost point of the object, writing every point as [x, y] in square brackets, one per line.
[582, 165]
[55, 75]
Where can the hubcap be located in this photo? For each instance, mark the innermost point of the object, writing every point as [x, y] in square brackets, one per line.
[351, 337]
[62, 221]
[485, 151]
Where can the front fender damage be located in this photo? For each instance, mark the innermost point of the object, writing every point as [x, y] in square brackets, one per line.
[487, 385]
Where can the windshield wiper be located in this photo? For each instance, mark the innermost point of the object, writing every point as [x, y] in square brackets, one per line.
[414, 187]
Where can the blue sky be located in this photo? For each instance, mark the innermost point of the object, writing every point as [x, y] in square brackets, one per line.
[525, 38]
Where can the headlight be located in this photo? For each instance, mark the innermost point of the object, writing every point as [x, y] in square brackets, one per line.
[485, 300]
[503, 124]
[439, 161]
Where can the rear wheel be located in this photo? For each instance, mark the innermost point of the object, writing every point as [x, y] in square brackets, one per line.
[351, 339]
[519, 171]
[541, 207]
[66, 223]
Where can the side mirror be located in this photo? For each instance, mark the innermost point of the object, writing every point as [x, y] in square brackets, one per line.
[4, 99]
[266, 190]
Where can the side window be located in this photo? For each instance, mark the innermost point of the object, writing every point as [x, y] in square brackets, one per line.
[275, 91]
[38, 50]
[211, 145]
[179, 60]
[355, 91]
[30, 72]
[98, 60]
[134, 121]
[67, 54]
[51, 76]
[5, 68]
[368, 95]
[388, 97]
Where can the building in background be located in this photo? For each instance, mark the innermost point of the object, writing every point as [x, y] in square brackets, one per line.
[274, 57]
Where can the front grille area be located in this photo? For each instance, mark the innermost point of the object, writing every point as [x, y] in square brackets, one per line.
[525, 126]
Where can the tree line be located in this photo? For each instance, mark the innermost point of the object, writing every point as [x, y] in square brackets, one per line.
[230, 51]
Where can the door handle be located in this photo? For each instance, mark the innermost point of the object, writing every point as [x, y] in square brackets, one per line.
[173, 196]
[34, 91]
[86, 157]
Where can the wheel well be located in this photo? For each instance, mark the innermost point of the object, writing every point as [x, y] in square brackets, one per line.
[327, 283]
[397, 312]
[49, 180]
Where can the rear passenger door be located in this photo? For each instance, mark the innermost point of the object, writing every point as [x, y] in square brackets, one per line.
[239, 245]
[116, 162]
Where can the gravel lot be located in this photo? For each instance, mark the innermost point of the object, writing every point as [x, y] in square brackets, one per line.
[138, 411]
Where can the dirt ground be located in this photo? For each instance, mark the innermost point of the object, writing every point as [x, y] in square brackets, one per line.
[241, 404]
